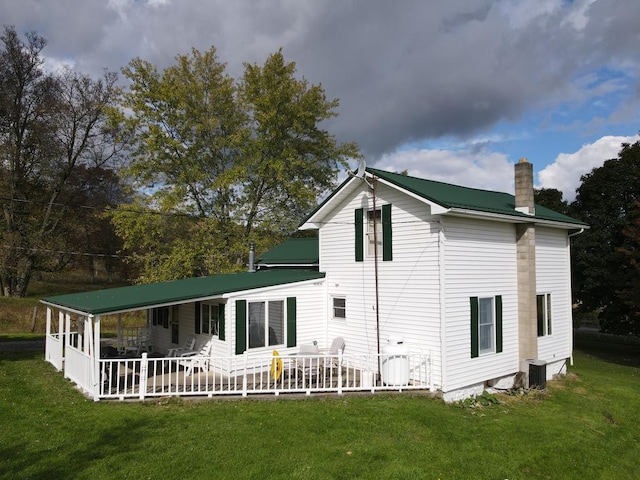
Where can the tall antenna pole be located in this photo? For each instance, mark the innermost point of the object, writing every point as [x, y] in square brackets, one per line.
[375, 268]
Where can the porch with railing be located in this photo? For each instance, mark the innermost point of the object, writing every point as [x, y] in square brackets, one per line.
[244, 375]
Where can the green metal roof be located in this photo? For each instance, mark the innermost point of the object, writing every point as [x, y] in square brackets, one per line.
[293, 251]
[142, 296]
[457, 197]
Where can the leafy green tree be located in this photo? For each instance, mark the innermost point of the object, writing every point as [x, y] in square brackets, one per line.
[551, 198]
[629, 293]
[49, 126]
[606, 200]
[288, 161]
[220, 163]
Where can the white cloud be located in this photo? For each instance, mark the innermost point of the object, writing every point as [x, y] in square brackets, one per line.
[565, 172]
[470, 168]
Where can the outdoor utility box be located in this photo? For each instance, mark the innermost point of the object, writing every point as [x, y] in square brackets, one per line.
[537, 374]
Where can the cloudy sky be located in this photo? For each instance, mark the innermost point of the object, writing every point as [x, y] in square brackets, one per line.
[451, 90]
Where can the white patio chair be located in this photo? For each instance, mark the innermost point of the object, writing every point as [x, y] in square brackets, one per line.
[186, 348]
[334, 353]
[308, 362]
[140, 343]
[196, 359]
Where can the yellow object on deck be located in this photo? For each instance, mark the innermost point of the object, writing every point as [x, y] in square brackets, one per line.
[276, 366]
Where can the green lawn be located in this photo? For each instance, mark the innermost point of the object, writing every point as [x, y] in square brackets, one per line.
[585, 427]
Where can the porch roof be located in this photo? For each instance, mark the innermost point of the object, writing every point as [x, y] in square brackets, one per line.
[137, 297]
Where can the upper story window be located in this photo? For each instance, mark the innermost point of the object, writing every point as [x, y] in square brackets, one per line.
[374, 232]
[364, 233]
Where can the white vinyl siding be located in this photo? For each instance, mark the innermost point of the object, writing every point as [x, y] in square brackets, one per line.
[409, 285]
[553, 276]
[480, 259]
[310, 313]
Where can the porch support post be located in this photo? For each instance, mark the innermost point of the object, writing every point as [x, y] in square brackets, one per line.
[48, 327]
[61, 337]
[95, 381]
[144, 369]
[67, 336]
[87, 340]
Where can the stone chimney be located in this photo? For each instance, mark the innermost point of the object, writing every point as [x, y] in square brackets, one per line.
[526, 263]
[524, 187]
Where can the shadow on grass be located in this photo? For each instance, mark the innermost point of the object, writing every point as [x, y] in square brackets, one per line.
[121, 440]
[20, 355]
[617, 353]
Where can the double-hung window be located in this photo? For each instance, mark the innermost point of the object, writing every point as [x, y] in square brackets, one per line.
[486, 325]
[209, 321]
[374, 232]
[160, 316]
[339, 308]
[366, 237]
[543, 303]
[266, 323]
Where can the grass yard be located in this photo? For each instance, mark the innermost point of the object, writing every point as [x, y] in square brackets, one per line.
[584, 427]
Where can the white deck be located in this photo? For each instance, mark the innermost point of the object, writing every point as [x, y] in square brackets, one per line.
[241, 375]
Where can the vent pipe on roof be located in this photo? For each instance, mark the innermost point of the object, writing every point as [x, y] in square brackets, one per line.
[252, 254]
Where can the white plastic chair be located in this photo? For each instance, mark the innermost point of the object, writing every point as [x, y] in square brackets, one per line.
[187, 348]
[193, 360]
[334, 352]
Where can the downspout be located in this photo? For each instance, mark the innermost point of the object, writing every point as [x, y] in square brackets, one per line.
[443, 307]
[570, 303]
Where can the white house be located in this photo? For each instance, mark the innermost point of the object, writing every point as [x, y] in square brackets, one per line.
[470, 287]
[479, 279]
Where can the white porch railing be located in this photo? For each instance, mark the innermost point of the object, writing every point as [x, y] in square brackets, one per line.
[53, 350]
[77, 368]
[247, 374]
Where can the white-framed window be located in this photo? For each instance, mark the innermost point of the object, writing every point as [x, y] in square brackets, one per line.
[339, 308]
[209, 320]
[371, 238]
[160, 316]
[266, 323]
[543, 307]
[486, 325]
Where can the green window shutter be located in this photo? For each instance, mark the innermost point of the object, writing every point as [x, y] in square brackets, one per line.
[221, 321]
[474, 327]
[359, 234]
[197, 316]
[241, 326]
[387, 249]
[498, 323]
[291, 321]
